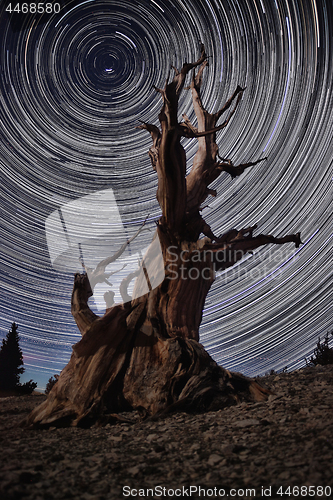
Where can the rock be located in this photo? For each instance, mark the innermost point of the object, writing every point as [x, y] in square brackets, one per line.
[247, 423]
[152, 437]
[116, 439]
[133, 470]
[214, 459]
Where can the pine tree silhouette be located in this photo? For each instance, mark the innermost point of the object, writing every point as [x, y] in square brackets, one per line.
[11, 361]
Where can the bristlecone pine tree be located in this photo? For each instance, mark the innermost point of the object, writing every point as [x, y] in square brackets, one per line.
[145, 354]
[11, 361]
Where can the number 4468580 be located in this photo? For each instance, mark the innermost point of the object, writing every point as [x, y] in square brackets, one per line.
[302, 491]
[34, 8]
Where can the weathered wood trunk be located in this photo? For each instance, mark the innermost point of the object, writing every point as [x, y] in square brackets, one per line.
[123, 362]
[145, 354]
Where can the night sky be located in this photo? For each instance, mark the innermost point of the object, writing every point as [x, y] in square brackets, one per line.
[74, 86]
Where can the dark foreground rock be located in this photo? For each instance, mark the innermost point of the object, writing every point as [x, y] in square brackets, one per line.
[245, 451]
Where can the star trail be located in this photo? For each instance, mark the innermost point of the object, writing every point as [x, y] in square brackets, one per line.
[75, 85]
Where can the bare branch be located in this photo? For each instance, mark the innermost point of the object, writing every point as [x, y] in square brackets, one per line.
[158, 89]
[188, 66]
[207, 230]
[179, 77]
[236, 170]
[197, 78]
[189, 133]
[83, 315]
[152, 129]
[232, 246]
[225, 160]
[197, 81]
[235, 234]
[156, 136]
[239, 90]
[175, 70]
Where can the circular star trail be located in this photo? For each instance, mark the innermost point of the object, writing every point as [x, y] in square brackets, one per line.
[74, 87]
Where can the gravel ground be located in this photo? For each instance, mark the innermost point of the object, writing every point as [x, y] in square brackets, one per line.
[282, 448]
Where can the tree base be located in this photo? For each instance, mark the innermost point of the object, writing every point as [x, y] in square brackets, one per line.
[116, 368]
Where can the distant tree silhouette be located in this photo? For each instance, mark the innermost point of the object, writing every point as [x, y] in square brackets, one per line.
[27, 387]
[50, 384]
[11, 360]
[11, 365]
[323, 353]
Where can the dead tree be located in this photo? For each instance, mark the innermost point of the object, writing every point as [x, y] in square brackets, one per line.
[145, 354]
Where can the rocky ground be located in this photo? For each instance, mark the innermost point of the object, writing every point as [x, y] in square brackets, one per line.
[282, 448]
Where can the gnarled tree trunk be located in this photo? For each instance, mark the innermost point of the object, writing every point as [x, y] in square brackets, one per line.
[145, 353]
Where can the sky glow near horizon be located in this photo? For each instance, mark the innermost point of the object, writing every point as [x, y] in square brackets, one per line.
[74, 88]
